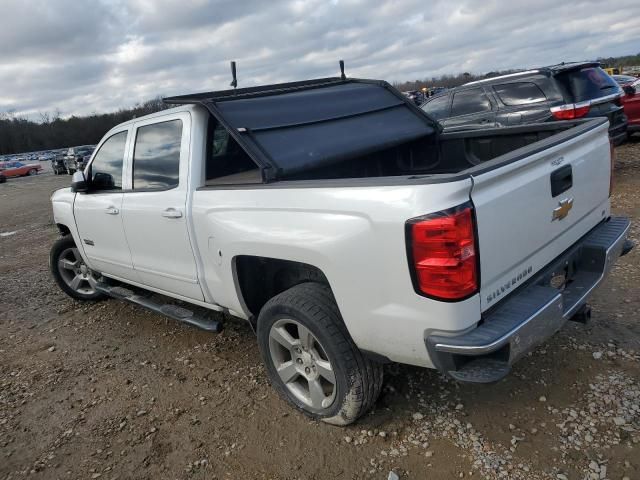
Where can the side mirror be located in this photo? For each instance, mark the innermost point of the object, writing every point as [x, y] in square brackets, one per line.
[629, 89]
[79, 182]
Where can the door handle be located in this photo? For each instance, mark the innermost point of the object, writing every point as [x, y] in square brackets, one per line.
[172, 213]
[111, 211]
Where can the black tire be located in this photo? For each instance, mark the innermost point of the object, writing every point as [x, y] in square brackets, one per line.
[58, 249]
[358, 380]
[32, 172]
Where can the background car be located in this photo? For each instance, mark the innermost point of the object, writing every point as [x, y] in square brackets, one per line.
[416, 96]
[560, 92]
[58, 164]
[19, 169]
[630, 101]
[77, 157]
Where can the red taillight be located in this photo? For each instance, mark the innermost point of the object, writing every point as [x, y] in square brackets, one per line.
[570, 111]
[443, 254]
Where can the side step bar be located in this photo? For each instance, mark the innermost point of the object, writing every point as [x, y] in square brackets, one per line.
[172, 311]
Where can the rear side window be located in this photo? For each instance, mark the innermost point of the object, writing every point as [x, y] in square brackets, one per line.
[519, 93]
[156, 156]
[438, 107]
[587, 83]
[106, 168]
[469, 101]
[227, 162]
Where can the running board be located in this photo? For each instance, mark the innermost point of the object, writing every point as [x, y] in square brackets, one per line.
[172, 311]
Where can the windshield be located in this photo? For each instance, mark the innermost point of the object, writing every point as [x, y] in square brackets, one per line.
[587, 83]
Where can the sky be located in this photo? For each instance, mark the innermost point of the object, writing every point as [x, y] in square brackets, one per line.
[78, 57]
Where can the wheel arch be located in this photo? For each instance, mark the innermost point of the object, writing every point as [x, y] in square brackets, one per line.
[63, 229]
[258, 279]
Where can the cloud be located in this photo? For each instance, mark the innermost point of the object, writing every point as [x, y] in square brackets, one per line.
[82, 57]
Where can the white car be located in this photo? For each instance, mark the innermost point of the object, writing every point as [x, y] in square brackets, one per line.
[336, 218]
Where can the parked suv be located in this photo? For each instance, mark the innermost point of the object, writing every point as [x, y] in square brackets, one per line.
[561, 92]
[77, 157]
[58, 164]
[630, 101]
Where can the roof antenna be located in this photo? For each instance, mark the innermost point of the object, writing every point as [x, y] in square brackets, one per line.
[234, 82]
[342, 75]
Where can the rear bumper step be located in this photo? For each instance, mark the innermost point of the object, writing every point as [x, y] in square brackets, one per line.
[172, 311]
[531, 315]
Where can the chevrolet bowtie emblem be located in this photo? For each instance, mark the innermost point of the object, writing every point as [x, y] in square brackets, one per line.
[562, 210]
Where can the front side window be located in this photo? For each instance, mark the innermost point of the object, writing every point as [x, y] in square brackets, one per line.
[519, 93]
[106, 168]
[438, 107]
[156, 156]
[470, 101]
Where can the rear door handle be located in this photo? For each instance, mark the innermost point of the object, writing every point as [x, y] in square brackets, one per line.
[111, 211]
[172, 213]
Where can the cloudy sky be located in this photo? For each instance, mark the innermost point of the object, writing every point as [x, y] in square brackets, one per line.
[84, 56]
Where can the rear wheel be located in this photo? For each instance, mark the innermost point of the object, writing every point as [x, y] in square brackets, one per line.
[310, 357]
[70, 272]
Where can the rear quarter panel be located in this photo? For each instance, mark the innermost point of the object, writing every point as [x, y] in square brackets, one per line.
[354, 235]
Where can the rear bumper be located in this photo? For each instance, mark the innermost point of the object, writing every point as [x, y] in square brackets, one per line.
[532, 314]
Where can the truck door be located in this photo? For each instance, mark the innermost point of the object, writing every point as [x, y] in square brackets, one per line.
[98, 212]
[470, 108]
[155, 206]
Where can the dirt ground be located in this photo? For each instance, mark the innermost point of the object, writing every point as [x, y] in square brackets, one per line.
[111, 391]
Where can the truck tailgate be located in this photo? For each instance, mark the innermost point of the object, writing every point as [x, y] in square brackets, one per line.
[523, 225]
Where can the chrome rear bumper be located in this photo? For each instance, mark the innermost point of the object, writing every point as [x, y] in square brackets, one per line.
[533, 313]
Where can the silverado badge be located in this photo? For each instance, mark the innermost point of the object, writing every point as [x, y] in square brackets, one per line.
[562, 210]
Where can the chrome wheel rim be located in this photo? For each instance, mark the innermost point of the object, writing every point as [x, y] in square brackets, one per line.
[75, 272]
[302, 364]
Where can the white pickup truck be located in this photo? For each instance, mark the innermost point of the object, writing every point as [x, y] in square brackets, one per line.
[338, 219]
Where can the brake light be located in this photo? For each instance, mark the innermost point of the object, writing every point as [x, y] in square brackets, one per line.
[570, 111]
[612, 158]
[442, 254]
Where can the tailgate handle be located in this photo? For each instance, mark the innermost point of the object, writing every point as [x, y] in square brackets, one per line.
[561, 180]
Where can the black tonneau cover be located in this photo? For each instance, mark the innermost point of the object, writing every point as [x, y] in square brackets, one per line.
[293, 127]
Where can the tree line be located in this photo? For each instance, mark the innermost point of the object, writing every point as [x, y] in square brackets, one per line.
[19, 135]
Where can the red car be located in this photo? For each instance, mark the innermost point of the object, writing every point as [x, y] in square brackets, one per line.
[630, 100]
[19, 169]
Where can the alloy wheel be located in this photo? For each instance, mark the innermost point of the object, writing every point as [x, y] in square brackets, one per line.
[75, 272]
[302, 364]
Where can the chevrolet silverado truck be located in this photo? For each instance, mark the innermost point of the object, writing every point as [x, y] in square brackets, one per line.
[339, 220]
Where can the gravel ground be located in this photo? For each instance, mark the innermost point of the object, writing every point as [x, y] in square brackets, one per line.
[112, 391]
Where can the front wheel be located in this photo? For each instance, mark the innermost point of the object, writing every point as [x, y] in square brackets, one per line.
[32, 172]
[70, 272]
[311, 359]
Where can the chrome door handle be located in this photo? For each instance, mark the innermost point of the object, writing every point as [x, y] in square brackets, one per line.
[111, 211]
[172, 213]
